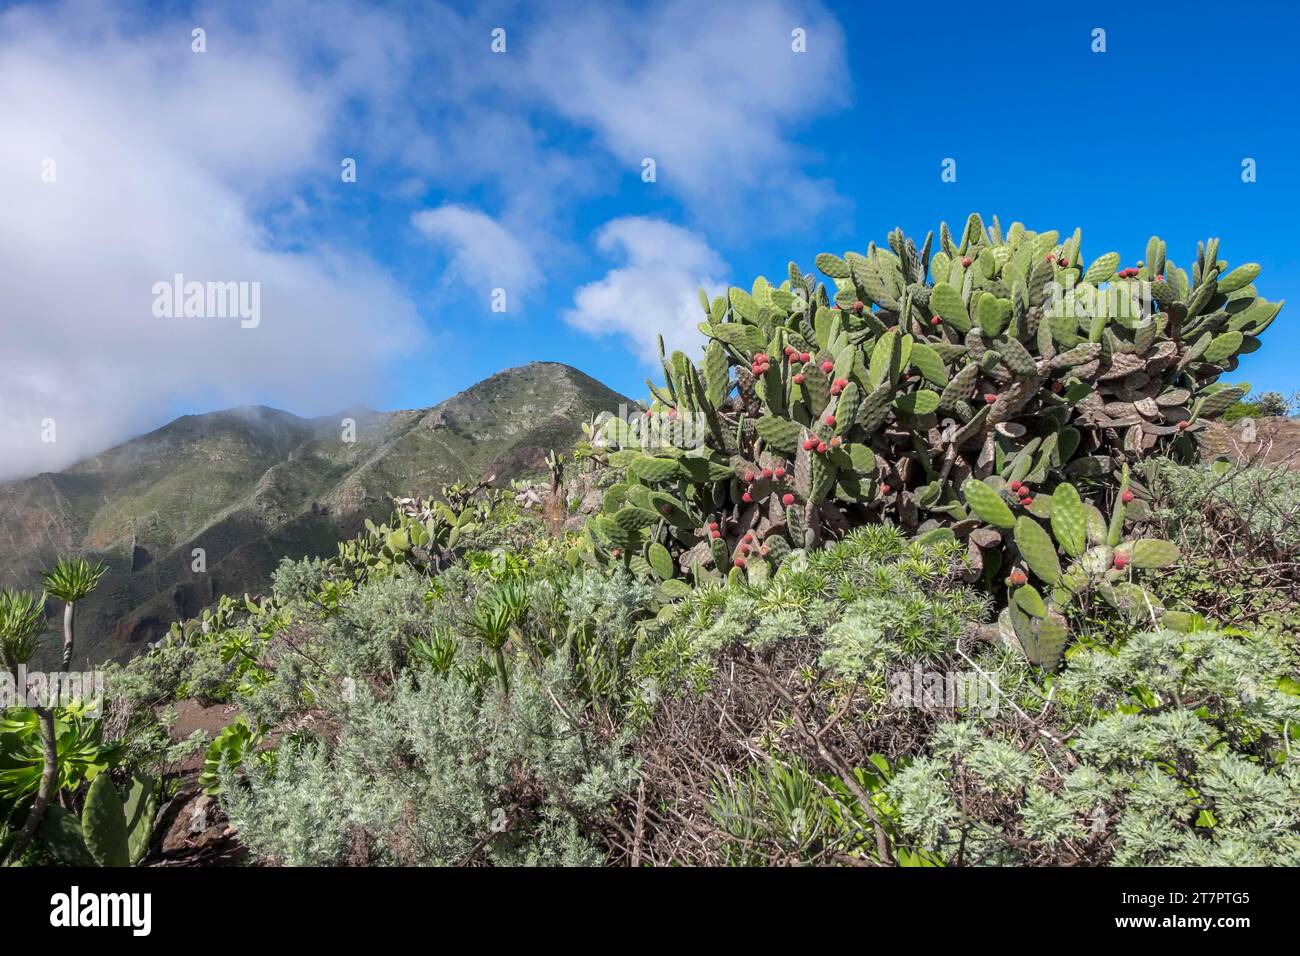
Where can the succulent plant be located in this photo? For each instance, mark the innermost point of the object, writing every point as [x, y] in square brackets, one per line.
[1079, 553]
[420, 530]
[870, 411]
[111, 831]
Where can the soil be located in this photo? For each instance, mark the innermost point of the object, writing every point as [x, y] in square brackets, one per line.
[1276, 442]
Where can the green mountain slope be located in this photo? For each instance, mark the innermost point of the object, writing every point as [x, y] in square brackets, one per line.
[252, 485]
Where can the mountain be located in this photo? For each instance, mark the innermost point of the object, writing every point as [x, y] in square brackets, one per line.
[253, 485]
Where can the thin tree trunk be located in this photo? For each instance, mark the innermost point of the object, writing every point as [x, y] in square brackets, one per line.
[68, 612]
[46, 791]
[502, 678]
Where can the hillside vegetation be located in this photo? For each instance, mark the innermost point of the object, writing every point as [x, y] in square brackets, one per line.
[920, 566]
[253, 485]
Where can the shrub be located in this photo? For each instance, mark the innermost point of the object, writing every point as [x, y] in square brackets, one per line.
[1181, 757]
[434, 772]
[881, 395]
[1238, 529]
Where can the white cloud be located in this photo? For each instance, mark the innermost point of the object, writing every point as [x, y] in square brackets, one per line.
[712, 92]
[162, 159]
[484, 254]
[655, 291]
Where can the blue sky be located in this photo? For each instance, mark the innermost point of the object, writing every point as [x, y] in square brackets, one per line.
[522, 170]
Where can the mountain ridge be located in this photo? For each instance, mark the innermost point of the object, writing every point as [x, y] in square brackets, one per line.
[252, 484]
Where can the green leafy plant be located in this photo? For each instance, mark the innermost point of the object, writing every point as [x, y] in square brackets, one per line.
[22, 618]
[71, 580]
[493, 621]
[227, 752]
[82, 753]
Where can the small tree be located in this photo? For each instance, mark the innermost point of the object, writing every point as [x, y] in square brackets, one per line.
[71, 580]
[22, 619]
[1272, 404]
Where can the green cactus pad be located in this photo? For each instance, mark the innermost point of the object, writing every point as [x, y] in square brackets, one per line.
[779, 433]
[927, 361]
[1153, 553]
[1241, 276]
[1036, 547]
[936, 536]
[140, 808]
[740, 335]
[1069, 520]
[987, 504]
[1222, 348]
[832, 266]
[960, 388]
[655, 470]
[661, 562]
[675, 589]
[1029, 600]
[1102, 268]
[103, 824]
[631, 518]
[948, 305]
[923, 402]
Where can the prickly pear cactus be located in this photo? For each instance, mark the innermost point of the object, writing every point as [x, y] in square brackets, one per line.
[1078, 553]
[925, 386]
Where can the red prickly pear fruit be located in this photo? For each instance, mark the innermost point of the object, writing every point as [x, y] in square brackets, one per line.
[935, 320]
[787, 499]
[780, 473]
[884, 489]
[827, 366]
[1121, 561]
[1027, 501]
[788, 351]
[990, 398]
[835, 389]
[1057, 386]
[1126, 497]
[713, 526]
[672, 413]
[1161, 277]
[715, 533]
[749, 477]
[798, 379]
[858, 307]
[617, 552]
[841, 382]
[809, 445]
[966, 261]
[836, 441]
[767, 472]
[1049, 257]
[739, 562]
[804, 357]
[747, 498]
[1062, 262]
[829, 420]
[1017, 577]
[1182, 426]
[1015, 486]
[821, 448]
[749, 536]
